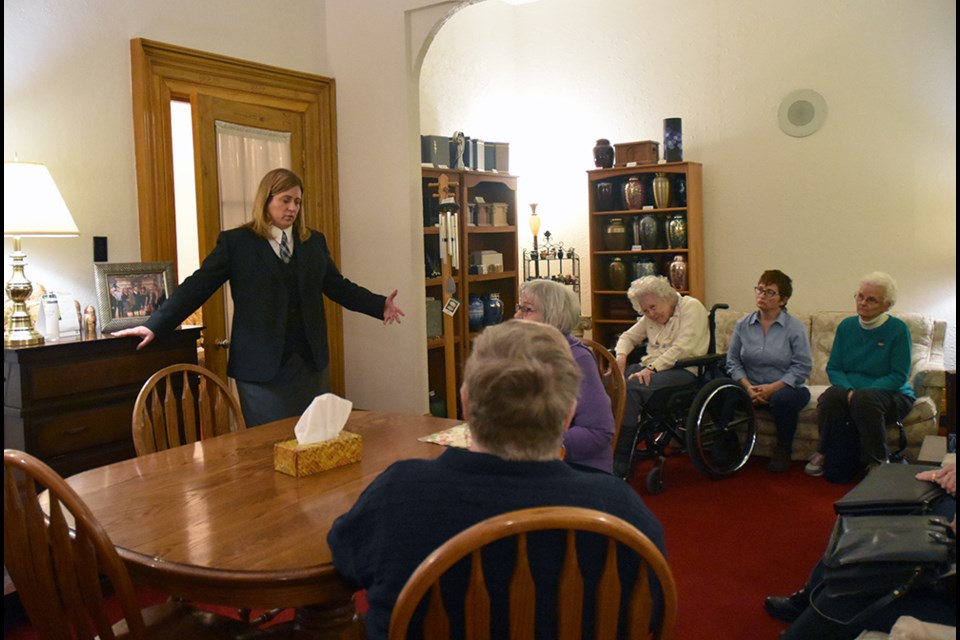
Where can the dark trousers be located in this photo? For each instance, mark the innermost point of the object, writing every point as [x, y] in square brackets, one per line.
[288, 395]
[785, 406]
[637, 396]
[869, 410]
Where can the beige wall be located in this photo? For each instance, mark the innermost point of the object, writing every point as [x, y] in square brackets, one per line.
[875, 188]
[887, 150]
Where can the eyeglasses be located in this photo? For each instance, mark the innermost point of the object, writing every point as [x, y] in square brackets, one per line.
[862, 299]
[766, 293]
[524, 309]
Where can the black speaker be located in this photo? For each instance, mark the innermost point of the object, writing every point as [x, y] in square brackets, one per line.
[99, 248]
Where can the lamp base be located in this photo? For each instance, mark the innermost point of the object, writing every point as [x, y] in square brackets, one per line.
[20, 331]
[23, 337]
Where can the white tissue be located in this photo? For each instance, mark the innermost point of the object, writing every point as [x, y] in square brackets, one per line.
[323, 420]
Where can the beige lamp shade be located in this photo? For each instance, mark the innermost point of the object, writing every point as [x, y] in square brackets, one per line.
[32, 204]
[32, 207]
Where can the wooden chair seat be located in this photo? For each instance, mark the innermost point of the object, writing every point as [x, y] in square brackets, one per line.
[567, 604]
[60, 564]
[181, 404]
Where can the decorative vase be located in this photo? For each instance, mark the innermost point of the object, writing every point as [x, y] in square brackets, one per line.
[644, 266]
[615, 235]
[673, 140]
[604, 196]
[617, 275]
[649, 231]
[678, 273]
[681, 190]
[633, 193]
[603, 154]
[476, 312]
[677, 232]
[492, 310]
[661, 191]
[635, 227]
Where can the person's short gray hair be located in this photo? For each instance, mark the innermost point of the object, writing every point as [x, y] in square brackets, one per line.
[559, 303]
[657, 286]
[886, 282]
[521, 381]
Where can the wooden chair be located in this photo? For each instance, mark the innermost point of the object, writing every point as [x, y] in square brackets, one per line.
[181, 404]
[613, 382]
[568, 604]
[60, 564]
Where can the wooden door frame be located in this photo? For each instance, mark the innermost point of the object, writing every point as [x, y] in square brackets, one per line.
[163, 72]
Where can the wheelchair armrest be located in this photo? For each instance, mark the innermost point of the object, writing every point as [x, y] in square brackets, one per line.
[711, 359]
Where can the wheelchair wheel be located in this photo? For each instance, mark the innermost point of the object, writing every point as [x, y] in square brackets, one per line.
[655, 477]
[720, 428]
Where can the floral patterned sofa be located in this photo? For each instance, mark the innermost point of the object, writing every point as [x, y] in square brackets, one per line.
[927, 376]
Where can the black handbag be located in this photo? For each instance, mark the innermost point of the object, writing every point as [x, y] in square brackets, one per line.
[885, 556]
[891, 489]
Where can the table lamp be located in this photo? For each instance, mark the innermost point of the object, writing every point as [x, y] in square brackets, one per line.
[32, 207]
[535, 230]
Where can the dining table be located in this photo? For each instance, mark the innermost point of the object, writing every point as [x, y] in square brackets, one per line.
[213, 522]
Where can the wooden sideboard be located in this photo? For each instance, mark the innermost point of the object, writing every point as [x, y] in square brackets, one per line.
[70, 402]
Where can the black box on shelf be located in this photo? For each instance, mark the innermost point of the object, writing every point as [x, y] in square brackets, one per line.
[435, 150]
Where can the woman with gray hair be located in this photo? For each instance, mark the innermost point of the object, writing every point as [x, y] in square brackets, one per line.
[869, 371]
[673, 327]
[588, 441]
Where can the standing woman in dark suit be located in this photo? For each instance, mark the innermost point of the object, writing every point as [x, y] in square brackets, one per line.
[279, 272]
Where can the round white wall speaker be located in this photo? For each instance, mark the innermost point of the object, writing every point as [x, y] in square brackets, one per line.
[802, 113]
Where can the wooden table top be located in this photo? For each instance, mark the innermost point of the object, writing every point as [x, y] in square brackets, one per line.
[214, 522]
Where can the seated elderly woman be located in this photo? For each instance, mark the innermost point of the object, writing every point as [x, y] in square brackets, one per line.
[674, 327]
[588, 441]
[869, 369]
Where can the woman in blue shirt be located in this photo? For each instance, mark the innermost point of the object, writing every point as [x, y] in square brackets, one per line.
[769, 355]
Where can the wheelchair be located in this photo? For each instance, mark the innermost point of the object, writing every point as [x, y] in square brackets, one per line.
[710, 419]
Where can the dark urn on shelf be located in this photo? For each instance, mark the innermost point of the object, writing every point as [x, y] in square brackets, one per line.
[649, 232]
[615, 236]
[617, 275]
[492, 310]
[633, 192]
[645, 266]
[681, 189]
[603, 154]
[677, 231]
[604, 196]
[673, 140]
[476, 312]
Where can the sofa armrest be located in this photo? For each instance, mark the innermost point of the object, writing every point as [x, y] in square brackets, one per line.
[929, 380]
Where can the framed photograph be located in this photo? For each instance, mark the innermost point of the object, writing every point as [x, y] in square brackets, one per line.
[129, 292]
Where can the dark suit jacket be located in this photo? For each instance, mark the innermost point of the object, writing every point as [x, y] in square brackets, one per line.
[260, 299]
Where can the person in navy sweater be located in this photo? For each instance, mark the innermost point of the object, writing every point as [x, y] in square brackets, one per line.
[519, 394]
[589, 440]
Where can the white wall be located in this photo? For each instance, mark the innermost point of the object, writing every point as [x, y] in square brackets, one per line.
[874, 189]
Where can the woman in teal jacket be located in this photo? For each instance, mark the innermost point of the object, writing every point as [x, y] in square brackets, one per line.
[869, 368]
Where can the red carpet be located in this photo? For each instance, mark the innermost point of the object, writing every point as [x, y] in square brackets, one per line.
[730, 543]
[733, 542]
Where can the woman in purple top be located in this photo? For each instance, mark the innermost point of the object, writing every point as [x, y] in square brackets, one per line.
[769, 355]
[589, 440]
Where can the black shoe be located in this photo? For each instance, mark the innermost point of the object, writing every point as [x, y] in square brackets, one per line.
[780, 462]
[787, 608]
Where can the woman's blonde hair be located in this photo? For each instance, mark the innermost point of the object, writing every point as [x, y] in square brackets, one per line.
[559, 303]
[274, 182]
[520, 383]
[652, 285]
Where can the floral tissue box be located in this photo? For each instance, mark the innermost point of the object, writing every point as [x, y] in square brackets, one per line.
[296, 459]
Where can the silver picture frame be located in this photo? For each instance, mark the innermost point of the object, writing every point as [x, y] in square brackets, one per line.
[128, 293]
